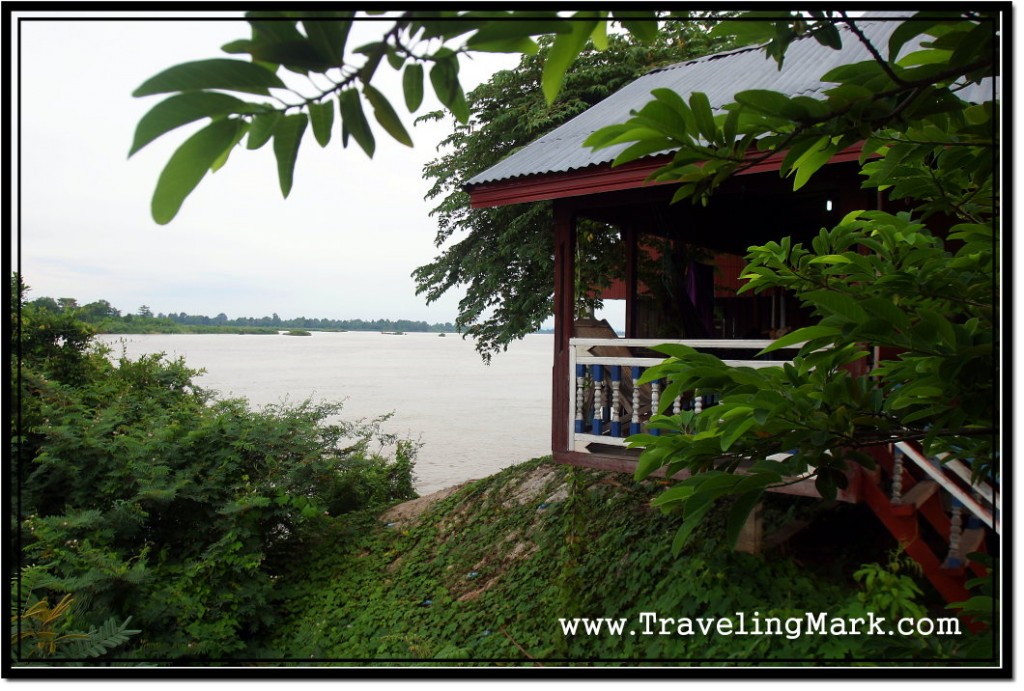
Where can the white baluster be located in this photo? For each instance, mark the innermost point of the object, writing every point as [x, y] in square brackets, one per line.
[956, 527]
[677, 405]
[635, 422]
[655, 397]
[698, 403]
[580, 382]
[896, 496]
[615, 404]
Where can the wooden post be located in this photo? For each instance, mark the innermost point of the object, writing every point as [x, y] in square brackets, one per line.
[630, 235]
[565, 276]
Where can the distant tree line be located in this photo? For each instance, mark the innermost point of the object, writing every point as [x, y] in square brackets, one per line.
[106, 318]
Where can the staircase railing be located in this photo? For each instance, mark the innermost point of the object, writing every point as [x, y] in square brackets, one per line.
[983, 490]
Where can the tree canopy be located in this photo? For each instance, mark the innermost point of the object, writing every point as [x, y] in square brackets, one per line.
[917, 287]
[503, 256]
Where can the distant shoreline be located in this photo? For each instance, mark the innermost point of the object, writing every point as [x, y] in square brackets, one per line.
[183, 329]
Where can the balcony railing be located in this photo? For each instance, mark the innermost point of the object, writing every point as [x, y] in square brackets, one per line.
[606, 403]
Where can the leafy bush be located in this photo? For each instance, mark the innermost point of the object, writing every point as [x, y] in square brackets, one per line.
[145, 497]
[46, 633]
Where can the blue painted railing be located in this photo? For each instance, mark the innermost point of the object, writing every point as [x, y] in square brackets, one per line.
[606, 403]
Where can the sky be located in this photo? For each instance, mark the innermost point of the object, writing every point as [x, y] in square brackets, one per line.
[343, 245]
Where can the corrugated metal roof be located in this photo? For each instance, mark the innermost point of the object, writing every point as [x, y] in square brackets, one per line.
[720, 76]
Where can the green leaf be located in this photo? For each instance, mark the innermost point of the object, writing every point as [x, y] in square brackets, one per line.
[188, 165]
[444, 77]
[745, 32]
[297, 55]
[412, 86]
[270, 26]
[217, 73]
[827, 34]
[645, 30]
[690, 523]
[321, 117]
[807, 333]
[182, 109]
[328, 38]
[374, 54]
[681, 492]
[919, 24]
[223, 158]
[941, 326]
[510, 36]
[772, 103]
[386, 115]
[394, 59]
[643, 148]
[562, 54]
[354, 120]
[287, 137]
[838, 303]
[808, 164]
[884, 309]
[738, 514]
[734, 430]
[262, 129]
[701, 107]
[511, 33]
[825, 484]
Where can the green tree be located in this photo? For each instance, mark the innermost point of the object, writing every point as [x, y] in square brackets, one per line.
[920, 282]
[98, 311]
[46, 303]
[503, 256]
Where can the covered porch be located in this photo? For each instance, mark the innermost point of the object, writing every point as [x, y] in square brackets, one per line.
[676, 270]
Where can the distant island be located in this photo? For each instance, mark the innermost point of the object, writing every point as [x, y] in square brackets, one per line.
[107, 319]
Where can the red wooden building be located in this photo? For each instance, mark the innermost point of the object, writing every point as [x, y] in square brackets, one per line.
[679, 272]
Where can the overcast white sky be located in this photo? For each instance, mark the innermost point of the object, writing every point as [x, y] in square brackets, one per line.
[343, 245]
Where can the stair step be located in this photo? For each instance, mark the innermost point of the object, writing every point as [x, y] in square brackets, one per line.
[919, 493]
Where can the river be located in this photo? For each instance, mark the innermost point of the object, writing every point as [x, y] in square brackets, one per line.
[472, 419]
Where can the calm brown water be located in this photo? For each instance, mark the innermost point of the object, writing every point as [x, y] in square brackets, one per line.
[472, 419]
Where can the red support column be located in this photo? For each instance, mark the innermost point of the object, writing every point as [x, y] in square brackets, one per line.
[565, 288]
[630, 235]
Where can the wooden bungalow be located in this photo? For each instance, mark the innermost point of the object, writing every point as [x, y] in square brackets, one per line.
[679, 271]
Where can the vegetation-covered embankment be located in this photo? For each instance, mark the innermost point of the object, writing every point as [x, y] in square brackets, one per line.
[487, 572]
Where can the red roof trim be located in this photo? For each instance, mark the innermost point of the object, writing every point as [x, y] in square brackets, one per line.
[601, 179]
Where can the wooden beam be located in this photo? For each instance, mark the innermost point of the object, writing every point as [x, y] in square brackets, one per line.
[604, 178]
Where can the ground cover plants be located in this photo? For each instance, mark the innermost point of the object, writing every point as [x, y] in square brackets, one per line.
[484, 575]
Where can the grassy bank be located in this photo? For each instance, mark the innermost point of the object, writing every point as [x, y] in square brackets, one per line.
[486, 572]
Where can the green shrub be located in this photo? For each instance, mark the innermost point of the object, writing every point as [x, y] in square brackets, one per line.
[145, 497]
